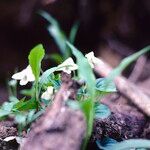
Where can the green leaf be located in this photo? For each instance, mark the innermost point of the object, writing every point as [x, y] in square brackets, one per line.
[127, 61]
[106, 143]
[13, 99]
[19, 103]
[35, 116]
[84, 70]
[87, 107]
[55, 81]
[101, 111]
[28, 92]
[23, 105]
[73, 32]
[104, 86]
[30, 116]
[57, 33]
[6, 108]
[124, 63]
[21, 118]
[35, 57]
[45, 76]
[130, 144]
[55, 57]
[4, 113]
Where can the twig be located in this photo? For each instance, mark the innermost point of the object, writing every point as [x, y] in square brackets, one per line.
[128, 89]
[138, 69]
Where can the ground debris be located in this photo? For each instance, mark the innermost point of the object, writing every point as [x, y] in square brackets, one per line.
[119, 127]
[60, 127]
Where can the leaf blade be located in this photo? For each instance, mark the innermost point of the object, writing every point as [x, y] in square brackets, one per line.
[35, 57]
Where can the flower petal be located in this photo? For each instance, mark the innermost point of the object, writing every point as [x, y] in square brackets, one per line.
[23, 81]
[18, 76]
[67, 66]
[50, 89]
[92, 59]
[29, 74]
[47, 95]
[24, 76]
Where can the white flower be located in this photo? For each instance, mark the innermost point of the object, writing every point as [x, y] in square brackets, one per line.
[92, 59]
[47, 95]
[24, 76]
[67, 66]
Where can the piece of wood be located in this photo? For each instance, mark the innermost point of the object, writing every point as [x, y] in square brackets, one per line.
[138, 69]
[127, 88]
[60, 127]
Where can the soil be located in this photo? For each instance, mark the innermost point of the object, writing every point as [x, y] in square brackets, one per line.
[60, 127]
[8, 128]
[68, 126]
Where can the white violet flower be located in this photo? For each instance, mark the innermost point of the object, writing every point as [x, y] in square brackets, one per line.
[47, 95]
[92, 59]
[24, 76]
[67, 66]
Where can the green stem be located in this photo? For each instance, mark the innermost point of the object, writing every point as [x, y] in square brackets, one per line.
[37, 94]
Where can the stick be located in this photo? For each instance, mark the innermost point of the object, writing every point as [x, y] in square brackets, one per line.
[128, 89]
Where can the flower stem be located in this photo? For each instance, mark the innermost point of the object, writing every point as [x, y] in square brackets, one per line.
[37, 94]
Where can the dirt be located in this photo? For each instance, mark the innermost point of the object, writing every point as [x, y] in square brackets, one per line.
[8, 128]
[60, 127]
[119, 127]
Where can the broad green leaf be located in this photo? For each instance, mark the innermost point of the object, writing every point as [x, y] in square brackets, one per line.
[4, 113]
[101, 111]
[35, 57]
[131, 144]
[25, 105]
[6, 108]
[103, 86]
[111, 144]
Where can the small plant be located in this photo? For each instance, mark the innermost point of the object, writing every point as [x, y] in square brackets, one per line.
[45, 84]
[59, 37]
